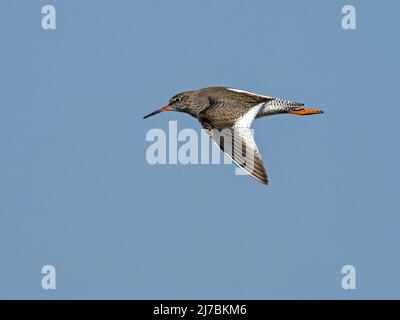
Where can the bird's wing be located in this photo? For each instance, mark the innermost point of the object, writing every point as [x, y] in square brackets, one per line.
[233, 135]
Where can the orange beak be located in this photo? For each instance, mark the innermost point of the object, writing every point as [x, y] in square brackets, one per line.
[306, 112]
[165, 108]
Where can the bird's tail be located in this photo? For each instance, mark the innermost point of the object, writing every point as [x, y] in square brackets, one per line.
[278, 106]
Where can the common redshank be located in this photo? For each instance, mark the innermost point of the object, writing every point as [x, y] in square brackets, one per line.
[227, 114]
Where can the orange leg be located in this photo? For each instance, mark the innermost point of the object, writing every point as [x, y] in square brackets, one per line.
[306, 112]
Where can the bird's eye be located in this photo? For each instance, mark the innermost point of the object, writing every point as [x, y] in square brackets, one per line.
[176, 100]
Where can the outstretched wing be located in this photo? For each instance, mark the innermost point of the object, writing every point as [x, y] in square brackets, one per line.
[228, 124]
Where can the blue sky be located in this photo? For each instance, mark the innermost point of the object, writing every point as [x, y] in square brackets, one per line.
[77, 192]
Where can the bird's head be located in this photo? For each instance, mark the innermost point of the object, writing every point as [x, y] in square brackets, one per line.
[179, 102]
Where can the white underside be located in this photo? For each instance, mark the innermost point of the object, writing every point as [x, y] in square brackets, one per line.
[247, 119]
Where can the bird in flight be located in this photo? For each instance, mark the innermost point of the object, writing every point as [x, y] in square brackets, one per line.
[227, 114]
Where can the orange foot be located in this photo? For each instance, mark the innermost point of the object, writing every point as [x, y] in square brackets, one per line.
[306, 112]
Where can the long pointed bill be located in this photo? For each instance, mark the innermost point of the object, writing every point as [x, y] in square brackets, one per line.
[166, 108]
[306, 112]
